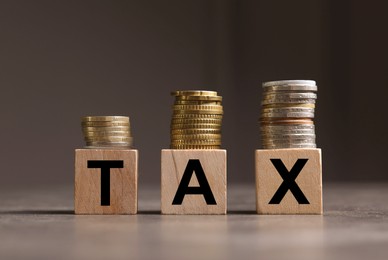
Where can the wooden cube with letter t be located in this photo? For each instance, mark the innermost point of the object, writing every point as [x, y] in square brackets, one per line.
[289, 181]
[193, 181]
[105, 181]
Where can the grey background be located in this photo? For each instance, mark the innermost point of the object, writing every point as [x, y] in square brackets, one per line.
[60, 60]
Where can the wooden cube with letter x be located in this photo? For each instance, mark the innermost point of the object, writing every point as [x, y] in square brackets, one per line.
[289, 181]
[193, 181]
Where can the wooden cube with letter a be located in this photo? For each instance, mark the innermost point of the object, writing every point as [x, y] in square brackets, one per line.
[289, 181]
[105, 181]
[193, 181]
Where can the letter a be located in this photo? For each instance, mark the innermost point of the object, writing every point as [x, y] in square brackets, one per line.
[203, 188]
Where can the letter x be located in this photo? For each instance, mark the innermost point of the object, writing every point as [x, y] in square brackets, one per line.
[289, 181]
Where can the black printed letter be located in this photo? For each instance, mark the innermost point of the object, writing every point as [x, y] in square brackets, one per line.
[105, 167]
[289, 181]
[204, 188]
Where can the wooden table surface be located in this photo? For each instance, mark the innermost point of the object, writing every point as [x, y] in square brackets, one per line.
[40, 224]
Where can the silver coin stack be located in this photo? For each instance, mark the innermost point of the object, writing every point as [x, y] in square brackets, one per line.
[287, 113]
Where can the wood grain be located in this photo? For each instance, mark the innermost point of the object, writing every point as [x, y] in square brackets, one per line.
[123, 182]
[174, 163]
[268, 181]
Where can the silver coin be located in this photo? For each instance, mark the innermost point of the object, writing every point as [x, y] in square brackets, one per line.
[287, 143]
[291, 136]
[288, 126]
[283, 136]
[291, 143]
[285, 129]
[289, 88]
[289, 95]
[274, 146]
[294, 132]
[280, 101]
[288, 109]
[289, 139]
[289, 146]
[288, 114]
[289, 82]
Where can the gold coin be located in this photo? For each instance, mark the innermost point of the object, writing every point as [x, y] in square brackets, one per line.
[195, 131]
[106, 129]
[105, 118]
[115, 147]
[202, 112]
[196, 121]
[109, 138]
[105, 123]
[195, 126]
[190, 102]
[196, 137]
[193, 93]
[197, 116]
[107, 133]
[109, 144]
[198, 107]
[198, 98]
[197, 142]
[200, 147]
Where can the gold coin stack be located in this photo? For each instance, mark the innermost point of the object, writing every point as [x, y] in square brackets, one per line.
[196, 120]
[107, 132]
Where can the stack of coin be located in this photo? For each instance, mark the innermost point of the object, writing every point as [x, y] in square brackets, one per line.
[107, 131]
[287, 114]
[196, 121]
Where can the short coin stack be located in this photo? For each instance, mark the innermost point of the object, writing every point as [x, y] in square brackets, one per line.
[196, 120]
[107, 132]
[287, 114]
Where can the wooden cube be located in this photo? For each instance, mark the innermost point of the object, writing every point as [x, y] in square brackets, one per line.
[193, 181]
[289, 181]
[105, 181]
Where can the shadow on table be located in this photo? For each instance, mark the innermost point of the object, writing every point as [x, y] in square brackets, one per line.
[241, 212]
[38, 212]
[149, 212]
[64, 212]
[71, 212]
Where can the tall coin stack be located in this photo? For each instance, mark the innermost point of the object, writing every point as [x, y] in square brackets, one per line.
[287, 114]
[196, 120]
[107, 132]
